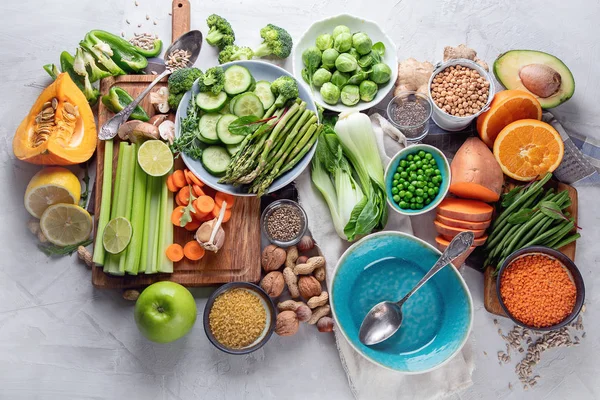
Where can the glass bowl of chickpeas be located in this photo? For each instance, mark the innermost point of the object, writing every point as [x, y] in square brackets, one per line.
[417, 179]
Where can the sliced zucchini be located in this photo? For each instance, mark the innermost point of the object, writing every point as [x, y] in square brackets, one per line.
[237, 80]
[233, 148]
[211, 102]
[248, 104]
[207, 126]
[264, 93]
[215, 159]
[223, 130]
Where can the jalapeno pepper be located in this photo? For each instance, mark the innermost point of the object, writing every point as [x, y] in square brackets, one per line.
[117, 99]
[124, 54]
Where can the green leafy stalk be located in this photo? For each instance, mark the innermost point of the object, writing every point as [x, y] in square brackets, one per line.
[52, 250]
[132, 263]
[99, 252]
[165, 236]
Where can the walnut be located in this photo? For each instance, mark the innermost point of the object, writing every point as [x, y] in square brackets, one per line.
[273, 258]
[286, 323]
[309, 286]
[273, 283]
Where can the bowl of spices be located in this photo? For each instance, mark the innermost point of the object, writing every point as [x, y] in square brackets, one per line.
[410, 113]
[540, 288]
[460, 90]
[284, 222]
[239, 318]
[417, 179]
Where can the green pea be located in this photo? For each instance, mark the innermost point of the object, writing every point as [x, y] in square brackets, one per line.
[428, 200]
[403, 174]
[437, 172]
[416, 157]
[420, 177]
[395, 190]
[419, 199]
[396, 176]
[413, 200]
[419, 192]
[430, 184]
[419, 164]
[432, 162]
[403, 163]
[436, 190]
[421, 153]
[403, 204]
[420, 184]
[431, 192]
[434, 179]
[395, 182]
[399, 170]
[408, 195]
[412, 167]
[429, 171]
[420, 205]
[409, 157]
[405, 185]
[411, 188]
[413, 206]
[413, 176]
[402, 193]
[428, 156]
[396, 198]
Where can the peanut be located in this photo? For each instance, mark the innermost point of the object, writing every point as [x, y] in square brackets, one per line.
[291, 256]
[319, 274]
[311, 264]
[291, 281]
[85, 256]
[289, 305]
[131, 294]
[286, 323]
[318, 301]
[319, 313]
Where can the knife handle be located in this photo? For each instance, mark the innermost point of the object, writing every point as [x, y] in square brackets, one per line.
[181, 18]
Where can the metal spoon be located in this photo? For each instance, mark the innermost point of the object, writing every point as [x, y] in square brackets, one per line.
[190, 41]
[385, 318]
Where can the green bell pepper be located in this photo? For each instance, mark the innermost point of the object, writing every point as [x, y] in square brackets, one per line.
[82, 81]
[155, 51]
[124, 54]
[102, 52]
[85, 64]
[52, 70]
[117, 99]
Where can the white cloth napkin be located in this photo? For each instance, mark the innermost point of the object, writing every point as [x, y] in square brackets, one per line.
[367, 380]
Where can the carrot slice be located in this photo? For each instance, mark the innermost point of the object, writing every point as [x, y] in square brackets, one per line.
[170, 184]
[193, 225]
[175, 252]
[176, 215]
[204, 204]
[193, 251]
[187, 179]
[184, 194]
[220, 197]
[179, 178]
[193, 178]
[179, 203]
[198, 191]
[217, 210]
[198, 215]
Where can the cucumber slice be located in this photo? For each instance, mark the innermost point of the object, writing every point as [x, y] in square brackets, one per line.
[264, 93]
[248, 104]
[237, 80]
[225, 109]
[223, 130]
[215, 159]
[232, 103]
[207, 127]
[211, 102]
[233, 148]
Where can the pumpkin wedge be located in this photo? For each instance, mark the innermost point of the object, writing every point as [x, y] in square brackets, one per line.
[60, 128]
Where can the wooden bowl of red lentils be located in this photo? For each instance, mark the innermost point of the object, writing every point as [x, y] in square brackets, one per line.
[239, 318]
[540, 288]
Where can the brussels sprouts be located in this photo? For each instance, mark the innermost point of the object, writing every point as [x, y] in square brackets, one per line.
[343, 42]
[328, 58]
[339, 79]
[362, 42]
[339, 30]
[379, 48]
[358, 76]
[381, 73]
[312, 58]
[324, 41]
[354, 53]
[350, 95]
[346, 63]
[330, 93]
[369, 59]
[321, 76]
[368, 90]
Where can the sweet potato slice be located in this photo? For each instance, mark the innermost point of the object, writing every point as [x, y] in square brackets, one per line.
[459, 223]
[466, 210]
[443, 241]
[451, 231]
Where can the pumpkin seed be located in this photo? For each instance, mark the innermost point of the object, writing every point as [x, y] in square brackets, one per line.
[69, 108]
[46, 105]
[54, 103]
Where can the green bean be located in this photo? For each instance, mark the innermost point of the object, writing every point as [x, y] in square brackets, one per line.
[498, 228]
[560, 234]
[550, 233]
[566, 241]
[541, 226]
[491, 243]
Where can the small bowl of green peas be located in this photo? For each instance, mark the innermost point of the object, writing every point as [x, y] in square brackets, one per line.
[417, 179]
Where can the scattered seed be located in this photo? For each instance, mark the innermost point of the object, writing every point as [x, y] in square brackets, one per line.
[139, 25]
[178, 58]
[485, 353]
[128, 23]
[122, 34]
[155, 23]
[136, 3]
[147, 17]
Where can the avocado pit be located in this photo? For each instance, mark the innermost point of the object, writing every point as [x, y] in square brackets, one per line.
[540, 79]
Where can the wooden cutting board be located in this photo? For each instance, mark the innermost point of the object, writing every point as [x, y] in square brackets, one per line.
[238, 259]
[490, 295]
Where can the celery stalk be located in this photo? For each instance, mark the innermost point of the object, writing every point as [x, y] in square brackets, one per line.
[143, 263]
[131, 166]
[113, 208]
[153, 226]
[166, 229]
[99, 252]
[132, 262]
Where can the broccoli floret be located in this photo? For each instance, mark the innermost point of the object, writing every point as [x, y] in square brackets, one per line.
[212, 81]
[285, 88]
[220, 33]
[276, 41]
[183, 79]
[174, 100]
[234, 53]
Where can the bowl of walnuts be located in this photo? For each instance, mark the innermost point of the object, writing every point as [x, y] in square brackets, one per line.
[459, 90]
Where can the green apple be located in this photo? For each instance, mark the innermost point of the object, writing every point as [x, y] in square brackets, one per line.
[165, 312]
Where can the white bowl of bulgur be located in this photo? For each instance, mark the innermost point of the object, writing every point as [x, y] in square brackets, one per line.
[239, 318]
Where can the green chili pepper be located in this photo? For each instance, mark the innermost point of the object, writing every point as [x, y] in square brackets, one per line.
[82, 81]
[117, 99]
[124, 54]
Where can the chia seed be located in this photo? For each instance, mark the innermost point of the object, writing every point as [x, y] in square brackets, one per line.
[284, 223]
[410, 112]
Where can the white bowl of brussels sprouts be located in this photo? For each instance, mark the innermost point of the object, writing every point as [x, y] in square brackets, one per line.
[347, 62]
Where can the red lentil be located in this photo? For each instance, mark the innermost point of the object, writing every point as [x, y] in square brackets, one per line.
[537, 290]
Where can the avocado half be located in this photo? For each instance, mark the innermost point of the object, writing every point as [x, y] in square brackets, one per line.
[541, 74]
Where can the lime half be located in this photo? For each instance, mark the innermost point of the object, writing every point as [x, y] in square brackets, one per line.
[155, 158]
[66, 224]
[117, 235]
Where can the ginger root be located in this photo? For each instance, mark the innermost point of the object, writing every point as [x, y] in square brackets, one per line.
[462, 51]
[413, 76]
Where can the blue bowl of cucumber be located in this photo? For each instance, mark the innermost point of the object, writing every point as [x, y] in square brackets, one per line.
[253, 137]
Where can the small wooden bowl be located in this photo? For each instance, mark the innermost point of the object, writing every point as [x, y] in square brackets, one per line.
[572, 270]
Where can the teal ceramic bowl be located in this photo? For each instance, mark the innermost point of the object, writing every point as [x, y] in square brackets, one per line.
[443, 166]
[437, 319]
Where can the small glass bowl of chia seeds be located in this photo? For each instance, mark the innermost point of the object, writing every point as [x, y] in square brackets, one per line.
[284, 223]
[410, 113]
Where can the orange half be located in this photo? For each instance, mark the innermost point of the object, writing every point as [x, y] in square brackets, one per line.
[528, 148]
[508, 106]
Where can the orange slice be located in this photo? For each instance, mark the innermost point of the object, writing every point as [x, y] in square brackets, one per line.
[528, 148]
[508, 106]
